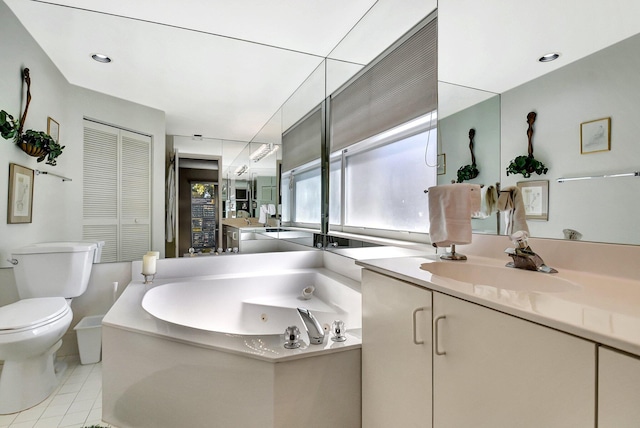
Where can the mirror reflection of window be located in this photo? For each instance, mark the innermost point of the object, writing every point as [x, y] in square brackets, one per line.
[301, 196]
[385, 178]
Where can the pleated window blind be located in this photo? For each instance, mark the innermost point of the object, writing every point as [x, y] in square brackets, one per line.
[399, 87]
[301, 143]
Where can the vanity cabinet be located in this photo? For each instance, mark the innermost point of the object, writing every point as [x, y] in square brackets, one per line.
[396, 353]
[477, 368]
[618, 389]
[495, 370]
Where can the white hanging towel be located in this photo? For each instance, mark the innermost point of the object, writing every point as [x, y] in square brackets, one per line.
[450, 210]
[510, 201]
[263, 214]
[271, 209]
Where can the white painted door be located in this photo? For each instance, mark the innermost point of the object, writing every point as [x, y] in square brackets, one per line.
[618, 390]
[497, 370]
[396, 353]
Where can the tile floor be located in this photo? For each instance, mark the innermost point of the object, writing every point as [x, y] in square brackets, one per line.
[76, 403]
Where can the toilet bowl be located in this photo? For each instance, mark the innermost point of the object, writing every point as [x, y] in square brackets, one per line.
[30, 333]
[31, 329]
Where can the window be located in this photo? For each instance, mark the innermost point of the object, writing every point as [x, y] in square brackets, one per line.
[335, 190]
[301, 196]
[385, 178]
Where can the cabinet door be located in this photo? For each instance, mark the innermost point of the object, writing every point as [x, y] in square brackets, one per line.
[501, 371]
[618, 390]
[396, 371]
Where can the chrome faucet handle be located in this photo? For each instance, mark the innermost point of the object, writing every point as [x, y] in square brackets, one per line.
[337, 330]
[292, 337]
[520, 239]
[13, 261]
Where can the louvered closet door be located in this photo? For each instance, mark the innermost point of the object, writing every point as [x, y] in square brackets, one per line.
[135, 234]
[117, 191]
[100, 188]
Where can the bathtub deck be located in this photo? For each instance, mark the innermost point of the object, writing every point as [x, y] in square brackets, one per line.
[216, 377]
[127, 314]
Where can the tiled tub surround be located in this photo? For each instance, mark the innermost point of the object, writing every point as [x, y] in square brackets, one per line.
[162, 374]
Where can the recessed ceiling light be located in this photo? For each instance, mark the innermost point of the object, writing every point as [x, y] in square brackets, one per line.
[101, 58]
[549, 57]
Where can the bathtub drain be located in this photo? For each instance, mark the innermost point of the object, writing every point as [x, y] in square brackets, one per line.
[264, 317]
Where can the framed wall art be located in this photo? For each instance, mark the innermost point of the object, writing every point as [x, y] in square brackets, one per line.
[53, 129]
[20, 204]
[442, 164]
[535, 195]
[595, 136]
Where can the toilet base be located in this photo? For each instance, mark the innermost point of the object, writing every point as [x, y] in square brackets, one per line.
[25, 383]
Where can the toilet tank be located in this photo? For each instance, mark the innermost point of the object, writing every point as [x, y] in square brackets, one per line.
[53, 269]
[96, 256]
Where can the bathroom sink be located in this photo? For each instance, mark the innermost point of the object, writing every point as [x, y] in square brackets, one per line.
[499, 277]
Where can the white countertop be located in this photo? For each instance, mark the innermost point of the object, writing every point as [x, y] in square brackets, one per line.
[603, 309]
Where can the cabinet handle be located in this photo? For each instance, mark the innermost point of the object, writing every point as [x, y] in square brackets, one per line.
[435, 335]
[415, 337]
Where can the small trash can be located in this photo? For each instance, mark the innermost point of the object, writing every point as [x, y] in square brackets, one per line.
[89, 331]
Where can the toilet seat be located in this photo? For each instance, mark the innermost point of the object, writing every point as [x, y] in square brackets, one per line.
[28, 314]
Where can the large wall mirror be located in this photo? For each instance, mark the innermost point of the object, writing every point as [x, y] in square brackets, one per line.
[599, 85]
[460, 110]
[594, 78]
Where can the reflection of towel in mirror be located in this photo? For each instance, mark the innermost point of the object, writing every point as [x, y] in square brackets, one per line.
[263, 214]
[271, 209]
[510, 201]
[488, 200]
[450, 209]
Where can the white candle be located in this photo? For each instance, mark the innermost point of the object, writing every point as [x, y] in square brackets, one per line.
[148, 264]
[156, 254]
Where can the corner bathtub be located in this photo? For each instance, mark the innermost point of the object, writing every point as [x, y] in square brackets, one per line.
[255, 305]
[209, 350]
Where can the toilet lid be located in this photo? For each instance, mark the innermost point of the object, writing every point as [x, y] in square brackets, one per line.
[29, 313]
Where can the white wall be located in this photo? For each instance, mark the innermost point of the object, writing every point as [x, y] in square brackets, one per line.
[57, 207]
[49, 91]
[604, 84]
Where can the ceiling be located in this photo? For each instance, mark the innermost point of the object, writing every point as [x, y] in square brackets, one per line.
[494, 45]
[218, 68]
[224, 69]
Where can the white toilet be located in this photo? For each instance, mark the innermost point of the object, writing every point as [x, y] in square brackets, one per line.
[30, 329]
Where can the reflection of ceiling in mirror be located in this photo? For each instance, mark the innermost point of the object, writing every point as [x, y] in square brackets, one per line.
[220, 69]
[495, 45]
[453, 98]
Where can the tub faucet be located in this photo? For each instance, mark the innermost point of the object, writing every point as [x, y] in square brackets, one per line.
[523, 256]
[313, 327]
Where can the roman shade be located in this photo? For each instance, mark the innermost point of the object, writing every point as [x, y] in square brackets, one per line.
[302, 142]
[400, 86]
